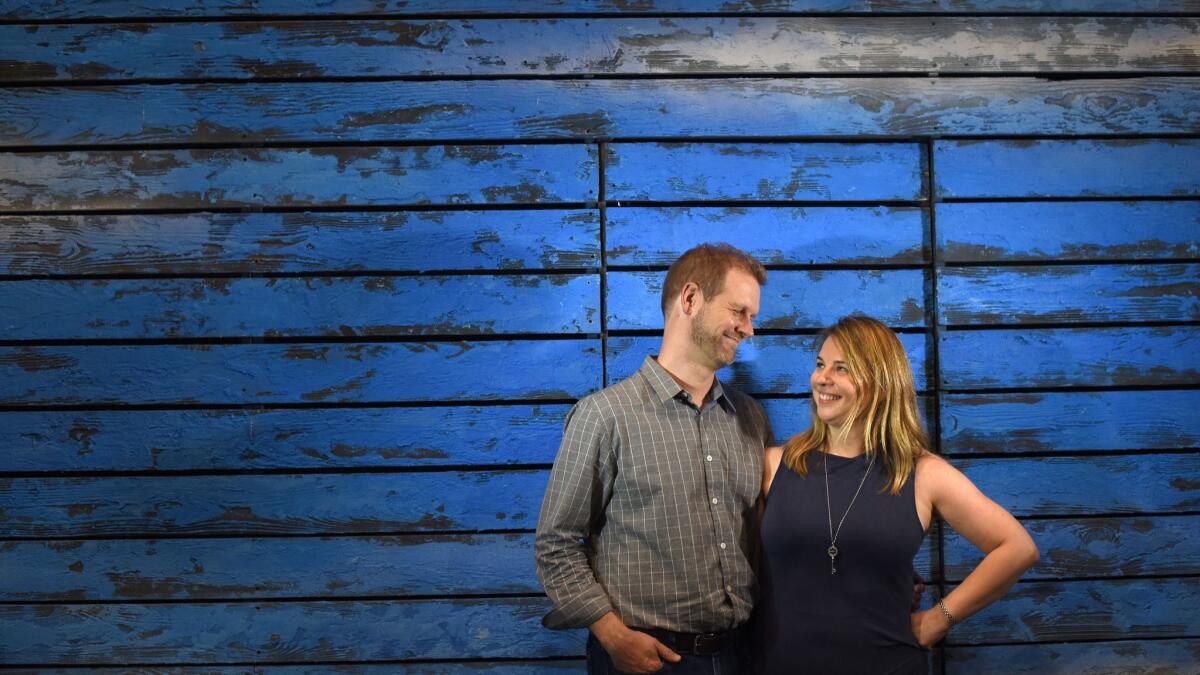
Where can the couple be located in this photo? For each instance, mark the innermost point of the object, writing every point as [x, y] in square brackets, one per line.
[650, 521]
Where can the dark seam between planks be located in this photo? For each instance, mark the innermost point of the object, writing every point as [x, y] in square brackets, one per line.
[261, 535]
[1072, 262]
[846, 139]
[1191, 386]
[284, 471]
[257, 407]
[338, 599]
[1051, 75]
[450, 15]
[193, 666]
[297, 339]
[1068, 326]
[315, 274]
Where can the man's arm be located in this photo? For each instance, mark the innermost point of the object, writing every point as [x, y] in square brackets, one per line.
[579, 488]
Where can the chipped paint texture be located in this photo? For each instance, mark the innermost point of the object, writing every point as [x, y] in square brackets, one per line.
[296, 298]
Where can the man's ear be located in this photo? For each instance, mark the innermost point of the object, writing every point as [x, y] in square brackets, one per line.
[690, 297]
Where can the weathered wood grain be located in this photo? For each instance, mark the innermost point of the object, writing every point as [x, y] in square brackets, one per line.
[789, 300]
[30, 10]
[974, 296]
[230, 568]
[305, 49]
[1035, 231]
[756, 171]
[305, 373]
[1059, 611]
[271, 504]
[1070, 168]
[1126, 657]
[582, 109]
[292, 307]
[272, 567]
[336, 176]
[280, 632]
[330, 438]
[775, 236]
[262, 243]
[1098, 485]
[1097, 547]
[1063, 357]
[767, 364]
[1069, 421]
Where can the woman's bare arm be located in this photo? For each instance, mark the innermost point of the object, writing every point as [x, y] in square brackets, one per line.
[1009, 550]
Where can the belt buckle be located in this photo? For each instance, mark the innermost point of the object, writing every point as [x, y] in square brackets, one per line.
[704, 643]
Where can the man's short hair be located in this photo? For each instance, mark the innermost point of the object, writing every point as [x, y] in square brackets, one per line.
[707, 265]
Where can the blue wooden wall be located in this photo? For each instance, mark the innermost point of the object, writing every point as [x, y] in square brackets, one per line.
[295, 296]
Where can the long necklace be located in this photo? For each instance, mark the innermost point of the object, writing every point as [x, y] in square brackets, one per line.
[833, 534]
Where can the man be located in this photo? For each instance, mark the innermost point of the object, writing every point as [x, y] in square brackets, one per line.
[645, 532]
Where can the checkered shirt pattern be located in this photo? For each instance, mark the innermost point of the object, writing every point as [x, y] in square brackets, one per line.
[650, 507]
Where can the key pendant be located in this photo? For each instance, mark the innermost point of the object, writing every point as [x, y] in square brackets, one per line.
[832, 559]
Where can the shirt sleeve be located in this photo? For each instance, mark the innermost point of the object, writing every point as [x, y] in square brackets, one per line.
[580, 486]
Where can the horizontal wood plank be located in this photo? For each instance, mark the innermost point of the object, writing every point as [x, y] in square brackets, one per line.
[1061, 611]
[1124, 657]
[767, 364]
[1070, 168]
[1062, 357]
[294, 307]
[251, 505]
[1037, 231]
[790, 299]
[582, 109]
[330, 438]
[30, 10]
[1098, 485]
[757, 172]
[265, 243]
[1096, 547]
[334, 176]
[280, 632]
[309, 373]
[972, 296]
[306, 49]
[1069, 421]
[273, 567]
[815, 235]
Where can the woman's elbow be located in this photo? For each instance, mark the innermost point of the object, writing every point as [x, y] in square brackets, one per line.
[1027, 552]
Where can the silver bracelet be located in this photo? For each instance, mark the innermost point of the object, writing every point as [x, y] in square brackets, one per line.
[946, 613]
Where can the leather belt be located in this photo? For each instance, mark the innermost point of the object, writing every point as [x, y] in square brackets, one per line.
[700, 644]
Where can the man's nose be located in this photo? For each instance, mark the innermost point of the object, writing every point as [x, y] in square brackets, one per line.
[746, 327]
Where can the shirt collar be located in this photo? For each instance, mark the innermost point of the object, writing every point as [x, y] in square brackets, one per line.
[666, 388]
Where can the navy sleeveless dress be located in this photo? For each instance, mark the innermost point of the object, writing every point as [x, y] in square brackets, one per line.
[858, 620]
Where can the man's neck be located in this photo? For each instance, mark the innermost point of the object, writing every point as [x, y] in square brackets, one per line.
[695, 379]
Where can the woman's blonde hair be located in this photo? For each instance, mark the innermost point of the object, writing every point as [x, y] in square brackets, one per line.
[886, 404]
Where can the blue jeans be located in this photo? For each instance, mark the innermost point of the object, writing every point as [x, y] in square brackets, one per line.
[724, 662]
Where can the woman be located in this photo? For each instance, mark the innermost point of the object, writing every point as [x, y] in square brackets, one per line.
[847, 504]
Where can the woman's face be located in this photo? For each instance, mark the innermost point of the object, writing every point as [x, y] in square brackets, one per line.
[832, 389]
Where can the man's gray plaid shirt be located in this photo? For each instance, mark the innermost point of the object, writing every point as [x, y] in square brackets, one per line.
[650, 507]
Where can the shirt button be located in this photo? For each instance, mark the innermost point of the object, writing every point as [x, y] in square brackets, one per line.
[709, 458]
[714, 500]
[722, 546]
